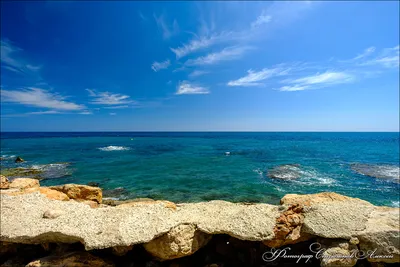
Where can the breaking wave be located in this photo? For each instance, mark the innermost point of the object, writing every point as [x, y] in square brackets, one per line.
[114, 148]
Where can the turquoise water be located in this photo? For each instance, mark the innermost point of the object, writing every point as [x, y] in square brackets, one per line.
[186, 167]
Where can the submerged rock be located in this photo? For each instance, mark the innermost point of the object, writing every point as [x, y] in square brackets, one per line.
[22, 172]
[114, 193]
[23, 183]
[80, 192]
[75, 259]
[180, 241]
[94, 184]
[19, 160]
[4, 182]
[391, 172]
[285, 172]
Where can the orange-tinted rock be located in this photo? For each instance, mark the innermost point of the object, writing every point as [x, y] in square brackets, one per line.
[80, 192]
[4, 183]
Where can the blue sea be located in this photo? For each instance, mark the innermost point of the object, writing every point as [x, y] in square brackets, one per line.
[201, 166]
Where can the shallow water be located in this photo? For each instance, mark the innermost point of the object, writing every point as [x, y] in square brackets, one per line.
[185, 167]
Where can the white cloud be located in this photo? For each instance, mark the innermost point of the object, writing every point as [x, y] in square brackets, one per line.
[229, 53]
[113, 114]
[167, 30]
[11, 59]
[156, 66]
[38, 97]
[186, 88]
[44, 112]
[86, 112]
[389, 58]
[328, 77]
[366, 53]
[197, 73]
[318, 80]
[254, 78]
[262, 19]
[107, 98]
[194, 45]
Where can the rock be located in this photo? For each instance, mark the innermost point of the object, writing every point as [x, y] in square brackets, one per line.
[92, 204]
[114, 202]
[121, 250]
[4, 183]
[391, 172]
[311, 199]
[22, 172]
[19, 160]
[114, 193]
[94, 184]
[73, 259]
[285, 172]
[23, 183]
[181, 241]
[166, 204]
[49, 193]
[382, 233]
[52, 214]
[338, 253]
[80, 192]
[288, 228]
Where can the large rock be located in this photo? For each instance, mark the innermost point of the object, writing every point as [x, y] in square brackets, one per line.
[73, 259]
[382, 233]
[181, 241]
[4, 183]
[80, 192]
[23, 183]
[337, 253]
[311, 199]
[19, 160]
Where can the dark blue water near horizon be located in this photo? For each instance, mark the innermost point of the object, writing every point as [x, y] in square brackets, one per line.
[195, 166]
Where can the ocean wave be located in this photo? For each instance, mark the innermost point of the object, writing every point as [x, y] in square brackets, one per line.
[396, 204]
[391, 172]
[7, 157]
[114, 148]
[54, 170]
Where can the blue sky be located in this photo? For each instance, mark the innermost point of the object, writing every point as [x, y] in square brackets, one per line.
[200, 66]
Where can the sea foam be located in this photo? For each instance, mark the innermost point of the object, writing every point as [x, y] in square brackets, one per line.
[114, 148]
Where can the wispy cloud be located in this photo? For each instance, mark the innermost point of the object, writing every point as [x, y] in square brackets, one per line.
[197, 73]
[368, 51]
[113, 113]
[12, 60]
[388, 58]
[262, 19]
[156, 66]
[117, 107]
[167, 30]
[44, 112]
[318, 80]
[38, 97]
[107, 98]
[195, 45]
[186, 88]
[86, 112]
[253, 78]
[229, 53]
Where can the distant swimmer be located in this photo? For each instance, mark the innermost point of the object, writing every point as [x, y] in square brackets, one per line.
[227, 153]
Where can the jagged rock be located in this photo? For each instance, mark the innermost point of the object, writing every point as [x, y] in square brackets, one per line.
[180, 241]
[288, 228]
[121, 250]
[80, 192]
[337, 253]
[19, 160]
[75, 259]
[4, 182]
[23, 183]
[52, 214]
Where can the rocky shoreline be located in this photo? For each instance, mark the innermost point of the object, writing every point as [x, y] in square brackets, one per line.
[71, 225]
